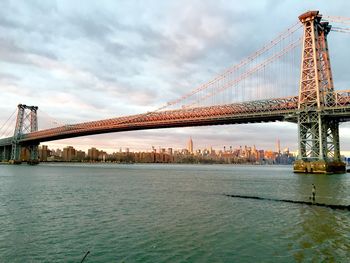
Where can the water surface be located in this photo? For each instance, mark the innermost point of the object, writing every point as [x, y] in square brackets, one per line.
[169, 213]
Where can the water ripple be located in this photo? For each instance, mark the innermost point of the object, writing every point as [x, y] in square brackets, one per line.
[170, 213]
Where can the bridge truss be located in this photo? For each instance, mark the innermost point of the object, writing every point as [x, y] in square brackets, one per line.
[317, 110]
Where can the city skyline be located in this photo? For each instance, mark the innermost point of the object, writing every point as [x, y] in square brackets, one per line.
[188, 154]
[48, 58]
[188, 145]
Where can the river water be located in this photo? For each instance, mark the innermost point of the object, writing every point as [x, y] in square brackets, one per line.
[170, 213]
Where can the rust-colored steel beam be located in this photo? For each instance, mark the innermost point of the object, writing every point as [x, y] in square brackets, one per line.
[278, 109]
[255, 111]
[249, 112]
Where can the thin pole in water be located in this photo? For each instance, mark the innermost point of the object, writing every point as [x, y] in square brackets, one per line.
[87, 253]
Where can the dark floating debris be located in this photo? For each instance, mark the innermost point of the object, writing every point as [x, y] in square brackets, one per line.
[341, 207]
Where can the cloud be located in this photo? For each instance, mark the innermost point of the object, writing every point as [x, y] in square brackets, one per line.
[84, 61]
[10, 52]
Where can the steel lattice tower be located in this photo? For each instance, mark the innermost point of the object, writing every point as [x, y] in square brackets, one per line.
[319, 149]
[26, 122]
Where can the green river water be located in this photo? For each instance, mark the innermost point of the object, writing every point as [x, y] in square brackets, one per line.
[170, 213]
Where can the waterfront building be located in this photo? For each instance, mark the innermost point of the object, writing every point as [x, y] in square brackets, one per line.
[69, 154]
[93, 154]
[43, 153]
[57, 153]
[80, 155]
[241, 155]
[102, 156]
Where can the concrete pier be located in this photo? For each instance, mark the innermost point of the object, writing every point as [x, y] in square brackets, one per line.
[319, 167]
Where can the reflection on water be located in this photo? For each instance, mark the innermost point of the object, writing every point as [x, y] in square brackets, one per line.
[321, 236]
[323, 231]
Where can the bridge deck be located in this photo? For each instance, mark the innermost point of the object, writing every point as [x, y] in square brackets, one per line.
[249, 112]
[271, 110]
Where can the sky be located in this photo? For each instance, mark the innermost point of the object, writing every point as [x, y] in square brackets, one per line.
[89, 60]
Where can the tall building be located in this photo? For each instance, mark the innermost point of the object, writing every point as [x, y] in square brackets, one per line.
[57, 153]
[80, 155]
[190, 145]
[43, 153]
[102, 155]
[69, 154]
[93, 154]
[278, 146]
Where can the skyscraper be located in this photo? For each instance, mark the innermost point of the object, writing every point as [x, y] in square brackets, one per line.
[190, 145]
[68, 153]
[278, 146]
[93, 154]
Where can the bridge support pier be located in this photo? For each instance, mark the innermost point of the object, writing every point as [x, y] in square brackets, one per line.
[5, 153]
[33, 154]
[15, 154]
[319, 167]
[319, 150]
[26, 122]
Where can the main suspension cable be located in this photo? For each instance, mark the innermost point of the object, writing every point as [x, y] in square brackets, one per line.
[8, 119]
[50, 118]
[236, 67]
[248, 73]
[341, 29]
[337, 19]
[4, 131]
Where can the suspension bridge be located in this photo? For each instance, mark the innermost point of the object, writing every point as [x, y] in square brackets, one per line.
[261, 88]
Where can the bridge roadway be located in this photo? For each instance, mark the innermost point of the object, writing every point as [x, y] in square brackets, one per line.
[279, 109]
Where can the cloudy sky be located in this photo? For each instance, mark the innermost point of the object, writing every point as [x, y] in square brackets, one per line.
[90, 60]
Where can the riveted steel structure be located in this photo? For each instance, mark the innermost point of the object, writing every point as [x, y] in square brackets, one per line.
[26, 122]
[319, 149]
[317, 110]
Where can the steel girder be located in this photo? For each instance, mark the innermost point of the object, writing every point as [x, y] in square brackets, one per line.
[2, 152]
[342, 98]
[188, 117]
[327, 96]
[254, 111]
[316, 88]
[33, 151]
[26, 122]
[16, 147]
[5, 152]
[318, 136]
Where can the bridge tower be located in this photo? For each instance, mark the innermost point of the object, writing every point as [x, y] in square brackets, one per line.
[319, 150]
[26, 122]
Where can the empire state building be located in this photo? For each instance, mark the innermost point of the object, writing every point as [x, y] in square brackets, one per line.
[190, 145]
